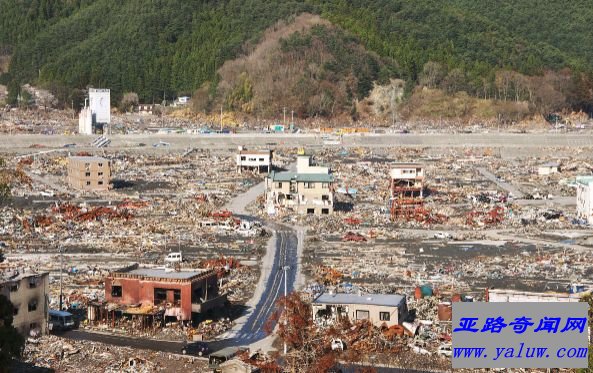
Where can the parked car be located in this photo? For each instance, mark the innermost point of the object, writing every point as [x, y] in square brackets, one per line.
[174, 258]
[195, 348]
[60, 320]
[443, 235]
[445, 350]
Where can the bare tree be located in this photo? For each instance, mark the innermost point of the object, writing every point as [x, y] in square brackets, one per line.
[129, 101]
[432, 74]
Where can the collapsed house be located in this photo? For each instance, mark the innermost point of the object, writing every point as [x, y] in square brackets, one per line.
[309, 190]
[28, 294]
[379, 309]
[252, 160]
[548, 168]
[89, 173]
[179, 293]
[585, 198]
[406, 190]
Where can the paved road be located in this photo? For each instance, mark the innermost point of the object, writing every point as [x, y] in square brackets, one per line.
[147, 344]
[502, 184]
[22, 143]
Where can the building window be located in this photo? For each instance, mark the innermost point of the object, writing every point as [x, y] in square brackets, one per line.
[325, 185]
[261, 159]
[100, 182]
[177, 295]
[100, 174]
[15, 311]
[87, 174]
[310, 211]
[309, 185]
[33, 326]
[362, 315]
[100, 164]
[278, 185]
[87, 165]
[160, 295]
[116, 291]
[32, 305]
[14, 287]
[88, 183]
[32, 283]
[384, 316]
[325, 211]
[325, 197]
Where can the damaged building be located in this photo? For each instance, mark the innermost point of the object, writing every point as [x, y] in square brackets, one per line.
[379, 309]
[573, 294]
[406, 189]
[89, 173]
[309, 190]
[585, 198]
[183, 294]
[28, 294]
[259, 161]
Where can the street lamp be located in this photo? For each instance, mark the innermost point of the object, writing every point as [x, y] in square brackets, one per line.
[61, 270]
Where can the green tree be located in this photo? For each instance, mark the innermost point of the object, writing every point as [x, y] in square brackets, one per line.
[11, 342]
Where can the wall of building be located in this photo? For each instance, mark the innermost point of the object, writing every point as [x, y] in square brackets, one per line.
[136, 290]
[25, 321]
[305, 196]
[254, 160]
[407, 172]
[373, 310]
[89, 175]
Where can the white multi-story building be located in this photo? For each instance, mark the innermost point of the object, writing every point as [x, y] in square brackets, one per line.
[255, 160]
[585, 198]
[97, 114]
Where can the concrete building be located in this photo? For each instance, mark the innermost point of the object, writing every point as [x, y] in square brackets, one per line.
[253, 160]
[507, 295]
[182, 293]
[310, 190]
[94, 117]
[28, 294]
[379, 309]
[89, 173]
[406, 189]
[548, 168]
[585, 198]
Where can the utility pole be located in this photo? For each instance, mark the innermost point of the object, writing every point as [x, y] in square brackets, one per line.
[61, 270]
[292, 117]
[284, 110]
[285, 269]
[220, 118]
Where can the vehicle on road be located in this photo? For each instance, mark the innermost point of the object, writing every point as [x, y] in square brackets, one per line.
[46, 193]
[176, 257]
[195, 348]
[443, 235]
[70, 146]
[161, 144]
[219, 357]
[445, 350]
[60, 320]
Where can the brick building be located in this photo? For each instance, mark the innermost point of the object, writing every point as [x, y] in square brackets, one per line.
[183, 294]
[89, 173]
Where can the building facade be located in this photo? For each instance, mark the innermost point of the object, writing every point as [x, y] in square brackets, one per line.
[89, 173]
[379, 309]
[310, 190]
[28, 294]
[182, 294]
[252, 160]
[585, 198]
[406, 189]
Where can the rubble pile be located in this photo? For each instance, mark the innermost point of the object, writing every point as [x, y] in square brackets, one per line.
[66, 355]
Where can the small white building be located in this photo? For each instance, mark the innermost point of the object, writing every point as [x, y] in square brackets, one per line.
[407, 180]
[379, 309]
[507, 295]
[97, 114]
[548, 168]
[254, 160]
[585, 198]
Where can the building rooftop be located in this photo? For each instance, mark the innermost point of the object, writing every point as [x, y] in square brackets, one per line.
[550, 164]
[584, 180]
[88, 159]
[392, 300]
[161, 273]
[289, 176]
[255, 152]
[13, 274]
[407, 164]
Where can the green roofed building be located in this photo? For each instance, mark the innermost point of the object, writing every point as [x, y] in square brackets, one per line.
[309, 190]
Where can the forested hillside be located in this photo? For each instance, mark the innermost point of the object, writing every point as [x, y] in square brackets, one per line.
[498, 50]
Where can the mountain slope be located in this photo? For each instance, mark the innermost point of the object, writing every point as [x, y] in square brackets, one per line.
[157, 47]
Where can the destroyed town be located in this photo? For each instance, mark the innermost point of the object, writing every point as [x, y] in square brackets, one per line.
[234, 186]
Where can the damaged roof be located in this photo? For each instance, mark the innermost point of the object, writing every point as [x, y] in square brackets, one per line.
[289, 176]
